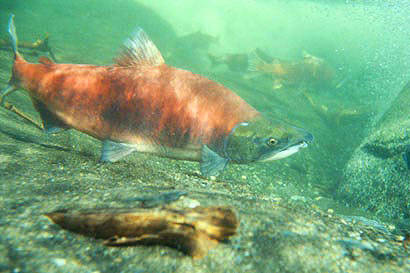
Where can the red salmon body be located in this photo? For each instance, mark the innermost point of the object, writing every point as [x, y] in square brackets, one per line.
[165, 104]
[142, 104]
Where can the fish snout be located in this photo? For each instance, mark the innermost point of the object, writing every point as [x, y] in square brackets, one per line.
[303, 136]
[308, 137]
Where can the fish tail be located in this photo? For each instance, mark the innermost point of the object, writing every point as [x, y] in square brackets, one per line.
[11, 87]
[13, 36]
[255, 63]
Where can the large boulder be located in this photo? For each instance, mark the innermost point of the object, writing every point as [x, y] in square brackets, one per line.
[377, 177]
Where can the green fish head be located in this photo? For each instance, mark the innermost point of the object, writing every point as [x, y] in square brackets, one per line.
[261, 140]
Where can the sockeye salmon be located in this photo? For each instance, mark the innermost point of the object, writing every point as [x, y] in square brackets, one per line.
[142, 104]
[311, 71]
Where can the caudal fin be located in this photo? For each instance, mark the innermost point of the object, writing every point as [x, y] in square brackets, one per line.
[11, 87]
[13, 35]
[255, 62]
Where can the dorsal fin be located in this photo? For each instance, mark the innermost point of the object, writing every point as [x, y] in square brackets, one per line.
[45, 60]
[139, 50]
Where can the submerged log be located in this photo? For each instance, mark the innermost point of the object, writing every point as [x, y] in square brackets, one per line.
[193, 231]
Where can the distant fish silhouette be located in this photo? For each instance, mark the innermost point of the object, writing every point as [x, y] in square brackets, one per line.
[310, 69]
[235, 62]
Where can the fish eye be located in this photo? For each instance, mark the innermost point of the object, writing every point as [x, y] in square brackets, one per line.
[272, 141]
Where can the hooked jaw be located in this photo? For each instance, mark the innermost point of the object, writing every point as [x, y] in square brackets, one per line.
[264, 140]
[289, 149]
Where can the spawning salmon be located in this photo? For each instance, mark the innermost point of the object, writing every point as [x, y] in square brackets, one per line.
[142, 104]
[311, 71]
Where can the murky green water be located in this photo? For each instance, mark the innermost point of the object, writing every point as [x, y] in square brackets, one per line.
[334, 68]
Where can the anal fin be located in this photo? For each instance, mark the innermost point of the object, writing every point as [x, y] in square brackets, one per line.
[114, 151]
[212, 163]
[51, 123]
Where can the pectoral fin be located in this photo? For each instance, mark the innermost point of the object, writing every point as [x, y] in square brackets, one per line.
[212, 163]
[114, 151]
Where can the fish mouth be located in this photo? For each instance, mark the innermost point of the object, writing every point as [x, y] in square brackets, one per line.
[288, 150]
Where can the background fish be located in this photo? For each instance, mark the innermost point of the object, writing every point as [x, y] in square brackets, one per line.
[235, 62]
[142, 104]
[310, 70]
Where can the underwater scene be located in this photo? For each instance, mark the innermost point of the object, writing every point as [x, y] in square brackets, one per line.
[205, 136]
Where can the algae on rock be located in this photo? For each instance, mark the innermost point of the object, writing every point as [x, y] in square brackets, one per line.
[377, 177]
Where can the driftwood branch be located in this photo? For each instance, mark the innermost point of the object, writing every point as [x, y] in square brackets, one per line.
[193, 231]
[21, 114]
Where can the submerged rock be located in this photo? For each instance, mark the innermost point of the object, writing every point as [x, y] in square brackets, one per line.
[377, 177]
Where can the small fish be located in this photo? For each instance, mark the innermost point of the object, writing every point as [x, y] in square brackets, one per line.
[235, 62]
[197, 40]
[406, 156]
[142, 104]
[39, 45]
[309, 70]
